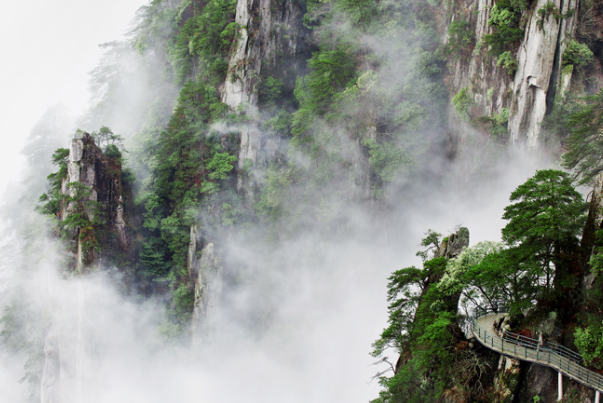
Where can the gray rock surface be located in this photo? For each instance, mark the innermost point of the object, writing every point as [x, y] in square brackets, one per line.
[208, 292]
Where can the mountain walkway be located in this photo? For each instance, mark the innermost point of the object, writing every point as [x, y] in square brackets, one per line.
[563, 360]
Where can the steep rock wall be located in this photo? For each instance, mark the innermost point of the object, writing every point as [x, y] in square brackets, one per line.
[208, 291]
[475, 70]
[538, 74]
[93, 189]
[272, 43]
[93, 193]
[530, 92]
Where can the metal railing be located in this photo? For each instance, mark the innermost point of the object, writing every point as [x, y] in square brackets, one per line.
[524, 348]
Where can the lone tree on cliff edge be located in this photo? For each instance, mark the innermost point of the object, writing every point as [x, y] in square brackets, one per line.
[544, 224]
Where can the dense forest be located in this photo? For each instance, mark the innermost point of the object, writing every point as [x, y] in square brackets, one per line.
[245, 167]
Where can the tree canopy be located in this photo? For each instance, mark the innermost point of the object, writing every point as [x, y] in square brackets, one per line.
[544, 221]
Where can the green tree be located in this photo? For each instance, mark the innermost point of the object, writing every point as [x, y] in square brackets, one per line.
[505, 18]
[468, 275]
[544, 223]
[105, 135]
[504, 276]
[462, 102]
[461, 37]
[589, 341]
[51, 201]
[421, 318]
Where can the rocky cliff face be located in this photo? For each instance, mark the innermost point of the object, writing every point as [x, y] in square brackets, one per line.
[474, 70]
[538, 77]
[208, 291]
[271, 43]
[528, 92]
[454, 244]
[93, 216]
[94, 203]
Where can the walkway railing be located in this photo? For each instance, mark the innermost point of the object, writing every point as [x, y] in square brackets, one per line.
[524, 348]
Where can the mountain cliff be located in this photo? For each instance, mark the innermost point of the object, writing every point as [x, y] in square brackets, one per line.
[265, 124]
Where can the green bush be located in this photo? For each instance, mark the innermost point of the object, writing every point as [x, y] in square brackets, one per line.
[590, 344]
[331, 73]
[50, 203]
[184, 301]
[576, 54]
[204, 41]
[387, 160]
[280, 123]
[551, 9]
[112, 151]
[500, 16]
[555, 124]
[498, 123]
[584, 146]
[461, 103]
[505, 18]
[270, 92]
[461, 36]
[508, 62]
[220, 165]
[501, 121]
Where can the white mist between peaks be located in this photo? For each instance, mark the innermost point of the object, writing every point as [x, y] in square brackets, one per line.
[329, 306]
[327, 298]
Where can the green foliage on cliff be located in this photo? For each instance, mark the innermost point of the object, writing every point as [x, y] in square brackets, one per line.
[555, 125]
[544, 223]
[576, 54]
[269, 92]
[419, 329]
[547, 210]
[80, 217]
[189, 163]
[589, 341]
[186, 161]
[497, 124]
[462, 102]
[51, 201]
[355, 94]
[189, 166]
[405, 289]
[500, 123]
[202, 44]
[461, 37]
[540, 243]
[387, 161]
[550, 9]
[423, 329]
[508, 62]
[332, 71]
[184, 299]
[584, 145]
[505, 18]
[470, 275]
